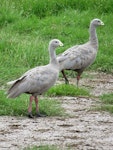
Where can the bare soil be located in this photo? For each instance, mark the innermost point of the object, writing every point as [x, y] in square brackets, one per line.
[82, 129]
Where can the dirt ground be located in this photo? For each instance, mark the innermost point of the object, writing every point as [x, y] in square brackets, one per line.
[83, 129]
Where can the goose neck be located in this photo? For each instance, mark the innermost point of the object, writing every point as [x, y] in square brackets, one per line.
[52, 54]
[93, 35]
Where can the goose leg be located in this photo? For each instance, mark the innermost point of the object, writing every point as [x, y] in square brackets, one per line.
[66, 80]
[30, 107]
[78, 78]
[37, 109]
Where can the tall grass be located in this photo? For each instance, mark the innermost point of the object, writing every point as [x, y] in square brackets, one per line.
[43, 8]
[27, 26]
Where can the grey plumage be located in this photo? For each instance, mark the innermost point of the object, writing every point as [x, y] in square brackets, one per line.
[79, 57]
[35, 81]
[39, 79]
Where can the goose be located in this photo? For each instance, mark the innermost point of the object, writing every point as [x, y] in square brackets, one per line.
[79, 57]
[37, 80]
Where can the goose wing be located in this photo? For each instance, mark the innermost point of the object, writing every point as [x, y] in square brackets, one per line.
[35, 81]
[77, 57]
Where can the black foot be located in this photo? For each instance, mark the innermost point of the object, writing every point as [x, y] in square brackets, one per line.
[30, 115]
[40, 115]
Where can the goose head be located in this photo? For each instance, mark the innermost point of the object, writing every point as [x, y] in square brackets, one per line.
[55, 43]
[97, 22]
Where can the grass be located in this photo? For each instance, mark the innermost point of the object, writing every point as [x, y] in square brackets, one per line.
[48, 106]
[25, 31]
[18, 106]
[107, 102]
[46, 147]
[67, 90]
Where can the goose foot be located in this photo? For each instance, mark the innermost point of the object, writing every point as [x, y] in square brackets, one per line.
[40, 115]
[30, 115]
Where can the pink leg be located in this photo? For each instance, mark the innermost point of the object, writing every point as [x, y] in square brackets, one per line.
[37, 108]
[30, 104]
[36, 103]
[78, 78]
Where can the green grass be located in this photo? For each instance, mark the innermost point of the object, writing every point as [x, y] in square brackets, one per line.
[27, 27]
[107, 98]
[67, 90]
[18, 106]
[48, 106]
[41, 148]
[107, 102]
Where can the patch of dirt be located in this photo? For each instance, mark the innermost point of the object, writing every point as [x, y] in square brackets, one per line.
[83, 129]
